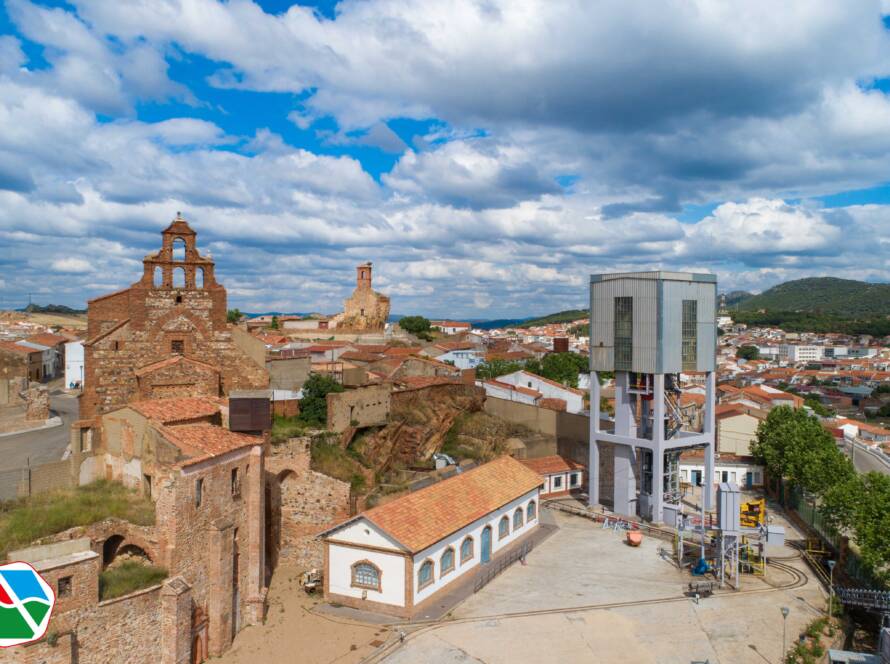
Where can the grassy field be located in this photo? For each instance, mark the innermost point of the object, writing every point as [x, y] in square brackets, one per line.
[23, 521]
[128, 577]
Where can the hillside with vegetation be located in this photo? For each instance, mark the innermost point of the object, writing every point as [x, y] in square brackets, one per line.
[559, 317]
[825, 295]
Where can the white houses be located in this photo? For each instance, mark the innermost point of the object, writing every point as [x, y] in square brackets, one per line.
[548, 389]
[398, 557]
[451, 326]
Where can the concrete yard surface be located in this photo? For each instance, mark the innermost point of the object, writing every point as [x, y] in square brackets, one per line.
[585, 596]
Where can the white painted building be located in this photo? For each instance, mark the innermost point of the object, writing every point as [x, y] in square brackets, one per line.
[549, 389]
[796, 353]
[497, 390]
[397, 557]
[467, 358]
[74, 364]
[561, 475]
[451, 326]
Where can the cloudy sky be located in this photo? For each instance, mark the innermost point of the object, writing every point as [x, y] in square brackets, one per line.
[486, 155]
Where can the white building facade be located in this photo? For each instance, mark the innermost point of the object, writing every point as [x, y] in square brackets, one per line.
[74, 364]
[395, 558]
[548, 389]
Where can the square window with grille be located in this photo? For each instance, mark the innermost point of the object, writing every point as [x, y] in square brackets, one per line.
[690, 335]
[177, 347]
[624, 333]
[64, 589]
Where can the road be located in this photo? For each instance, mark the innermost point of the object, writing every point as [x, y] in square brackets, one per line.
[865, 462]
[44, 445]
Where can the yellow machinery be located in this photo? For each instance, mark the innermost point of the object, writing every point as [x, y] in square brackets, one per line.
[753, 514]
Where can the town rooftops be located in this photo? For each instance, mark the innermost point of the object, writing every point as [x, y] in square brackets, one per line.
[12, 347]
[177, 409]
[551, 464]
[420, 519]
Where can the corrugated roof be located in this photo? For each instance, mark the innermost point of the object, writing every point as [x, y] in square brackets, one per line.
[424, 517]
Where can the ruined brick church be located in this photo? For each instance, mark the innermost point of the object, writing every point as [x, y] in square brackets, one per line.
[167, 334]
[163, 369]
[365, 310]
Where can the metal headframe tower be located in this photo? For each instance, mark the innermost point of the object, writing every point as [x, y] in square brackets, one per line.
[648, 328]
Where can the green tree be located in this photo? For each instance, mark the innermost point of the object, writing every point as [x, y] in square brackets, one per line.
[274, 324]
[793, 444]
[883, 388]
[495, 368]
[818, 407]
[416, 325]
[748, 352]
[884, 410]
[234, 315]
[561, 367]
[871, 524]
[314, 405]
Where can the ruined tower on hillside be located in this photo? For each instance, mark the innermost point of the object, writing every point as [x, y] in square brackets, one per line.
[366, 309]
[167, 334]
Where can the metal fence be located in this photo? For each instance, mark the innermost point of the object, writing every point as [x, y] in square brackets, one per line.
[794, 499]
[489, 572]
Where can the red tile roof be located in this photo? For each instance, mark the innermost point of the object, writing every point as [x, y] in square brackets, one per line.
[551, 464]
[518, 388]
[205, 441]
[553, 404]
[424, 517]
[47, 339]
[12, 347]
[168, 411]
[419, 382]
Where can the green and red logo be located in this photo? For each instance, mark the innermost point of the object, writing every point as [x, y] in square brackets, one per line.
[26, 603]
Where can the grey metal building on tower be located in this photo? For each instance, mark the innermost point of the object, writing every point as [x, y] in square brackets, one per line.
[648, 328]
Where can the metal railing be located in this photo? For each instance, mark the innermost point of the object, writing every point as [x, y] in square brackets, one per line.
[490, 571]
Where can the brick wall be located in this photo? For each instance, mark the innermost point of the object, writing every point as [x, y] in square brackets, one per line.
[302, 503]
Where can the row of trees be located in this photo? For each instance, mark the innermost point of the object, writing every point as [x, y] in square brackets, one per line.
[794, 445]
[561, 367]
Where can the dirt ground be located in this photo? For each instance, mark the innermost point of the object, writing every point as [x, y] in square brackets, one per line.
[293, 634]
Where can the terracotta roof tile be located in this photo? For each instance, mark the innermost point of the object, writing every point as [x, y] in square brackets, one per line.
[424, 517]
[168, 411]
[551, 464]
[47, 339]
[205, 441]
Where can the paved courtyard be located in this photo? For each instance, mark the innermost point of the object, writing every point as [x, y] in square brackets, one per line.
[556, 609]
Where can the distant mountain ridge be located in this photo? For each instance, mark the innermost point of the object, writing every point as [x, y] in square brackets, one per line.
[829, 295]
[51, 309]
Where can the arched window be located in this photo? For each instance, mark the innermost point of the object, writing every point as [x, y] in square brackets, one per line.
[503, 527]
[446, 563]
[366, 574]
[199, 277]
[158, 277]
[466, 550]
[425, 575]
[517, 518]
[178, 277]
[179, 249]
[531, 512]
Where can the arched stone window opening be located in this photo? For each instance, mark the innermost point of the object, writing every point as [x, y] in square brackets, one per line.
[179, 249]
[178, 277]
[158, 277]
[199, 277]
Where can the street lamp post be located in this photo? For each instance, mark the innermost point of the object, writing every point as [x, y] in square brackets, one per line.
[831, 564]
[785, 612]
